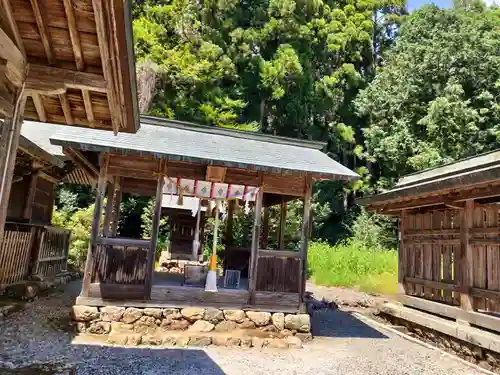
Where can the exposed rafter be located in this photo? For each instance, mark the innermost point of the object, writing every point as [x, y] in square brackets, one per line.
[40, 14]
[40, 110]
[88, 107]
[54, 81]
[68, 115]
[106, 34]
[74, 34]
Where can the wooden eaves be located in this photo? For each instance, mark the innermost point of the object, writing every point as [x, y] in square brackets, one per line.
[75, 60]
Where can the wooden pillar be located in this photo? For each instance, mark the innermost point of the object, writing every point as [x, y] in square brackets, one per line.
[229, 224]
[28, 203]
[9, 142]
[116, 206]
[94, 233]
[282, 224]
[466, 255]
[265, 228]
[402, 258]
[155, 227]
[304, 236]
[252, 282]
[109, 207]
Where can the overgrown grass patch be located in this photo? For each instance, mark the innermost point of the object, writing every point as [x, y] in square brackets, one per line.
[352, 264]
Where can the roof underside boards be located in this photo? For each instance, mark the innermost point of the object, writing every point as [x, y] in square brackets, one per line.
[457, 175]
[209, 145]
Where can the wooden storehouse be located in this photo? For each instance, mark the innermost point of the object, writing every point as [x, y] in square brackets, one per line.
[169, 156]
[449, 230]
[69, 62]
[32, 246]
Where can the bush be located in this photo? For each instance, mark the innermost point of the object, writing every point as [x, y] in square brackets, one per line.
[353, 263]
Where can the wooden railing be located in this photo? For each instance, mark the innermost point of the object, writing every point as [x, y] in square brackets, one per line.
[29, 249]
[279, 271]
[119, 268]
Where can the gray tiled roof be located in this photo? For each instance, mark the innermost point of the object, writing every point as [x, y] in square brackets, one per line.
[39, 133]
[181, 141]
[458, 174]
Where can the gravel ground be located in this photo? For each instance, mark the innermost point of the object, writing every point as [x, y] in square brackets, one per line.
[343, 345]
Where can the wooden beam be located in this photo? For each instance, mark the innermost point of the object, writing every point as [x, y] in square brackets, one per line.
[14, 75]
[486, 190]
[106, 35]
[433, 284]
[155, 226]
[88, 107]
[402, 257]
[109, 207]
[28, 203]
[9, 142]
[466, 257]
[10, 52]
[74, 34]
[82, 161]
[229, 223]
[478, 319]
[54, 81]
[40, 109]
[94, 233]
[6, 102]
[254, 258]
[116, 207]
[40, 16]
[8, 17]
[215, 174]
[68, 115]
[282, 224]
[265, 228]
[304, 236]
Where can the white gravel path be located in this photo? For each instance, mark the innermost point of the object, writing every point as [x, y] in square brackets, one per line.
[343, 345]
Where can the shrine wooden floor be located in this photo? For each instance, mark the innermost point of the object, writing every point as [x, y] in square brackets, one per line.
[172, 279]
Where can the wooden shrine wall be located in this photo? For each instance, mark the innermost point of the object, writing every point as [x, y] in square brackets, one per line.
[433, 255]
[430, 248]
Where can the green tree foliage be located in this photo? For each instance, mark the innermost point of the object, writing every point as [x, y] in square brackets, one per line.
[438, 97]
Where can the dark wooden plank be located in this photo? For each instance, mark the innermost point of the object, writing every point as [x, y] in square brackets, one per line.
[279, 253]
[402, 257]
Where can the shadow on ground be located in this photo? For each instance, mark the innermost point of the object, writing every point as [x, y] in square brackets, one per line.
[96, 359]
[330, 322]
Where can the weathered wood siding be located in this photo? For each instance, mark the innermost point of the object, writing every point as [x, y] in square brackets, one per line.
[43, 202]
[52, 253]
[15, 249]
[114, 264]
[278, 273]
[434, 262]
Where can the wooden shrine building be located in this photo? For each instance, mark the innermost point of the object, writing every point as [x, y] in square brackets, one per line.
[449, 250]
[31, 245]
[69, 62]
[210, 163]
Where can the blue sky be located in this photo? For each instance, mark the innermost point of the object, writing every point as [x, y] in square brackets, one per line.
[414, 4]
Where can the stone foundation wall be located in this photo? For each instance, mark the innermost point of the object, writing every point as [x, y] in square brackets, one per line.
[193, 326]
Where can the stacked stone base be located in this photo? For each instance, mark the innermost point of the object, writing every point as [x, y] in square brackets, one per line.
[193, 326]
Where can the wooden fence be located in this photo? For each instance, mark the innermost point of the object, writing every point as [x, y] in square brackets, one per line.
[449, 253]
[28, 249]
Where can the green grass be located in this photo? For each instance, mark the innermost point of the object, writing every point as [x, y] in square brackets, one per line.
[352, 264]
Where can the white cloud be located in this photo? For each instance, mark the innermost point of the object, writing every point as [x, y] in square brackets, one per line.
[491, 2]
